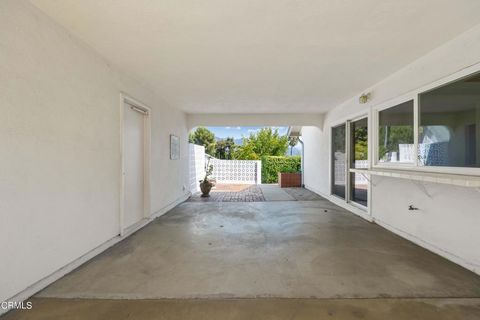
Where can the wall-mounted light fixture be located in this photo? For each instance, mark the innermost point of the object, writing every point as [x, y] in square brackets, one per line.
[365, 97]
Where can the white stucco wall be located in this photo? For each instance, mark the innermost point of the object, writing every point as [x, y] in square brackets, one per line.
[60, 153]
[448, 219]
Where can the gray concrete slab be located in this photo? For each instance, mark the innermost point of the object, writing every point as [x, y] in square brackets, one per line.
[286, 249]
[302, 194]
[273, 192]
[240, 309]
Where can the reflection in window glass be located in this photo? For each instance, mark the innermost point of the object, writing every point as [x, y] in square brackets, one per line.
[359, 160]
[449, 133]
[395, 134]
[338, 160]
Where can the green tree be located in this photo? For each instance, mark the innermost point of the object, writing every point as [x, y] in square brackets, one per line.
[203, 137]
[361, 143]
[225, 148]
[266, 142]
[292, 142]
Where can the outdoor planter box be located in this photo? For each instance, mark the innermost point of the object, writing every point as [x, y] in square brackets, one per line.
[287, 180]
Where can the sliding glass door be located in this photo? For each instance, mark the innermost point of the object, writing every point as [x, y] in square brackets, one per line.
[349, 157]
[339, 168]
[358, 160]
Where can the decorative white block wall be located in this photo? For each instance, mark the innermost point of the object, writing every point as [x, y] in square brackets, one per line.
[237, 171]
[196, 166]
[224, 171]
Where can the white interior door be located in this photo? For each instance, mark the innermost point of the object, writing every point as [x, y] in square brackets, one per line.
[134, 165]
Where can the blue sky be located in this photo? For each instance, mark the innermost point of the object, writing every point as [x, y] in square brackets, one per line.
[239, 132]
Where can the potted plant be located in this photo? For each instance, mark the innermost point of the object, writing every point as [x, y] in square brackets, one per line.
[206, 184]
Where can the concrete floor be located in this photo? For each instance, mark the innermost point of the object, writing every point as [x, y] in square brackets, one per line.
[302, 194]
[273, 192]
[290, 249]
[243, 309]
[280, 249]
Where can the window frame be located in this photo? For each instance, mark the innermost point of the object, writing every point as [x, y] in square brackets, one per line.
[415, 96]
[346, 121]
[364, 115]
[376, 118]
[332, 164]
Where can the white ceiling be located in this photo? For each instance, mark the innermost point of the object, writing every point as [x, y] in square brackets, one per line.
[244, 56]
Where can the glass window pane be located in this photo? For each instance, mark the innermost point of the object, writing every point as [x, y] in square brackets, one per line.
[395, 134]
[359, 189]
[359, 144]
[338, 160]
[359, 160]
[449, 133]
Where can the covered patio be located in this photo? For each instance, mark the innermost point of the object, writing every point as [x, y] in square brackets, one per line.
[275, 250]
[100, 212]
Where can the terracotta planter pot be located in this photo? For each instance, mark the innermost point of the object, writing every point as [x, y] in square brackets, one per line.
[288, 180]
[205, 187]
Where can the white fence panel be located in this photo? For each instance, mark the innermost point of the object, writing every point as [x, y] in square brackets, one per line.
[237, 171]
[224, 171]
[196, 166]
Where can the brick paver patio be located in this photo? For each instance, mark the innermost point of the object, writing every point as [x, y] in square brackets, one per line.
[250, 193]
[232, 193]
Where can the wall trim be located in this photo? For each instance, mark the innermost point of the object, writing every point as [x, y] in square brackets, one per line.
[71, 266]
[170, 206]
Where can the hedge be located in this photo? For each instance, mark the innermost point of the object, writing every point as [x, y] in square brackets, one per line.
[272, 165]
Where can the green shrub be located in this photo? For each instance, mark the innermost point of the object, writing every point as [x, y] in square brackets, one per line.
[272, 165]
